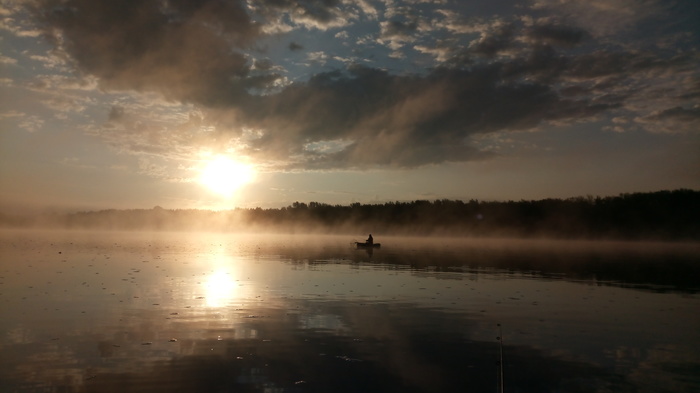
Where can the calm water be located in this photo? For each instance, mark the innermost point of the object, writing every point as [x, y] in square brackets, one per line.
[158, 312]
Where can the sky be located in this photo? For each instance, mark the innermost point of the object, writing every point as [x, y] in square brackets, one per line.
[219, 104]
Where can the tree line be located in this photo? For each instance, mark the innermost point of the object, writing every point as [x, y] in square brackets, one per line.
[663, 215]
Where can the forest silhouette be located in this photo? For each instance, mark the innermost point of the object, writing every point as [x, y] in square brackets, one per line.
[662, 215]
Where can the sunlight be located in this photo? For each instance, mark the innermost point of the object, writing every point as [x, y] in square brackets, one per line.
[220, 289]
[224, 176]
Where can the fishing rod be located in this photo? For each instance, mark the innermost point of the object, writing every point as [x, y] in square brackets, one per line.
[499, 382]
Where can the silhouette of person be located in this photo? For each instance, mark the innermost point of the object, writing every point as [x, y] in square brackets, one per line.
[370, 240]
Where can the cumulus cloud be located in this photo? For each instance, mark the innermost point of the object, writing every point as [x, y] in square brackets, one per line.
[492, 75]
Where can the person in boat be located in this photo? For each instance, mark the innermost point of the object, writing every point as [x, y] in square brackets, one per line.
[370, 240]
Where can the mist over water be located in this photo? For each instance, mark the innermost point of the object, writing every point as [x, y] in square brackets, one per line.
[654, 216]
[183, 312]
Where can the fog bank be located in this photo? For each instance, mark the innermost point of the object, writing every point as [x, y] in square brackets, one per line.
[663, 215]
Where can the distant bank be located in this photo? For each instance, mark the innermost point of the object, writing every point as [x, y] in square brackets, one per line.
[661, 215]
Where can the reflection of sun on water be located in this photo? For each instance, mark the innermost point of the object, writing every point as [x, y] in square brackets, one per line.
[220, 289]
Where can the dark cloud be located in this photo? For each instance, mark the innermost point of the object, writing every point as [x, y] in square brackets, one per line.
[185, 50]
[602, 63]
[691, 115]
[404, 121]
[491, 43]
[557, 35]
[673, 120]
[263, 64]
[396, 28]
[293, 46]
[116, 114]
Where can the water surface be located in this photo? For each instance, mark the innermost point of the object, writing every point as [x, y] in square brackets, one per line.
[178, 312]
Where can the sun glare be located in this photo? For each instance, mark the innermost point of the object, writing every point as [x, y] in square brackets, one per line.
[220, 289]
[224, 176]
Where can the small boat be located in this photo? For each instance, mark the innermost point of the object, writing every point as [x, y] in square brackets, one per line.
[367, 245]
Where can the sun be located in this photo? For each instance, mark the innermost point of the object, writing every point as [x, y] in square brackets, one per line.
[225, 176]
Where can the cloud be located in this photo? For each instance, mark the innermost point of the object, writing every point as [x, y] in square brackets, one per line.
[183, 50]
[11, 114]
[603, 17]
[65, 104]
[395, 34]
[7, 60]
[456, 23]
[150, 168]
[14, 20]
[51, 61]
[149, 128]
[317, 57]
[441, 52]
[491, 75]
[674, 120]
[403, 121]
[52, 82]
[368, 9]
[310, 14]
[499, 38]
[31, 123]
[553, 34]
[116, 114]
[76, 163]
